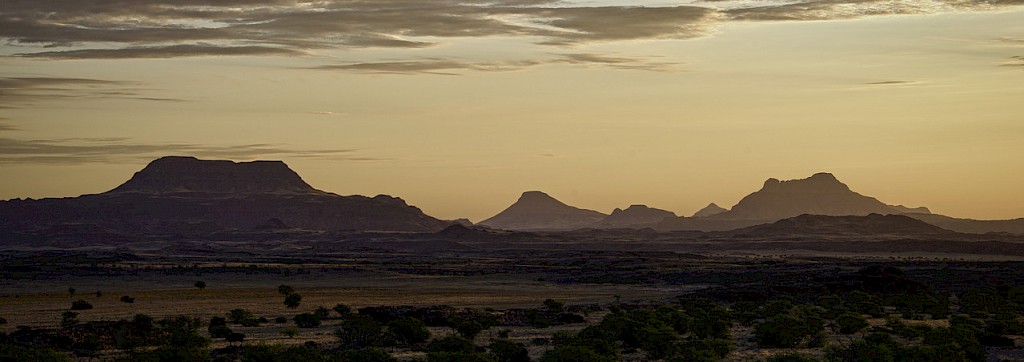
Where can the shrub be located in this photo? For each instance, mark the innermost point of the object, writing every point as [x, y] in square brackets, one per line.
[200, 285]
[292, 300]
[306, 320]
[850, 323]
[237, 316]
[409, 331]
[80, 305]
[219, 331]
[452, 343]
[127, 299]
[342, 310]
[360, 331]
[573, 354]
[503, 350]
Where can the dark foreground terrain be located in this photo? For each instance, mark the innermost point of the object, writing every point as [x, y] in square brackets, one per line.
[481, 295]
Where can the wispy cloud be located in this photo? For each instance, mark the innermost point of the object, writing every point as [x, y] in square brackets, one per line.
[1015, 61]
[15, 91]
[91, 29]
[94, 150]
[438, 66]
[892, 82]
[171, 51]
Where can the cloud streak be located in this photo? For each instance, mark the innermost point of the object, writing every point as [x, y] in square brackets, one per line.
[98, 150]
[437, 66]
[96, 29]
[19, 91]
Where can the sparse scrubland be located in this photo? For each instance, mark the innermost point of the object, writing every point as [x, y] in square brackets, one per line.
[609, 306]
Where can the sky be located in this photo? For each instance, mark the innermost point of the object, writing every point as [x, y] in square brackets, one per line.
[460, 106]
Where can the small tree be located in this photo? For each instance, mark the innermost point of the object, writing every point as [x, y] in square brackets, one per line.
[503, 350]
[200, 285]
[68, 319]
[342, 310]
[239, 315]
[307, 320]
[80, 305]
[71, 291]
[235, 338]
[409, 331]
[290, 332]
[322, 312]
[850, 323]
[285, 289]
[292, 300]
[99, 294]
[554, 305]
[127, 299]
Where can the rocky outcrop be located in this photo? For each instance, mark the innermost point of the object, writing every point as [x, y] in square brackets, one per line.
[635, 216]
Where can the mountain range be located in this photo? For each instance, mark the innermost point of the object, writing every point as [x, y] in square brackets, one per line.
[184, 196]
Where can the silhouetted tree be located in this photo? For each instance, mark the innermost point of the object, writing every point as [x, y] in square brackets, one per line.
[99, 294]
[503, 350]
[68, 319]
[235, 338]
[342, 310]
[409, 331]
[322, 312]
[200, 285]
[71, 291]
[307, 320]
[127, 299]
[285, 289]
[80, 305]
[239, 315]
[292, 300]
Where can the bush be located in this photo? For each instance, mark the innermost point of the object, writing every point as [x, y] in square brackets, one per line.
[409, 331]
[573, 354]
[458, 357]
[18, 353]
[360, 331]
[127, 299]
[503, 350]
[292, 300]
[452, 343]
[80, 305]
[306, 320]
[237, 316]
[850, 323]
[782, 331]
[281, 319]
[791, 357]
[219, 331]
[342, 310]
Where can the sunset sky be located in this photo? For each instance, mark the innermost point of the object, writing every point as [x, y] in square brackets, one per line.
[459, 106]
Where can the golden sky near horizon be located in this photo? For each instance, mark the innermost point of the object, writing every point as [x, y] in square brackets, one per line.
[459, 106]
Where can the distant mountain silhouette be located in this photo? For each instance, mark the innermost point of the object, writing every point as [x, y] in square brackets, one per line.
[536, 210]
[1013, 226]
[820, 194]
[184, 195]
[869, 225]
[178, 175]
[633, 217]
[711, 209]
[910, 210]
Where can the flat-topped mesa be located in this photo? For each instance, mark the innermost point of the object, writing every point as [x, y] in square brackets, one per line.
[174, 174]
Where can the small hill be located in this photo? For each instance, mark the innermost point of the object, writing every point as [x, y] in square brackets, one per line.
[633, 217]
[536, 210]
[710, 210]
[869, 225]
